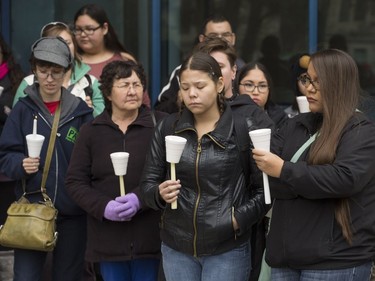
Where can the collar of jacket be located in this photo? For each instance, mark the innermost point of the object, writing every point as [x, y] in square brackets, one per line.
[311, 121]
[69, 103]
[220, 134]
[239, 100]
[79, 71]
[143, 119]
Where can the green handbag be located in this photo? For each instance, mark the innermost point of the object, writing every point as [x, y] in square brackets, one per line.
[32, 226]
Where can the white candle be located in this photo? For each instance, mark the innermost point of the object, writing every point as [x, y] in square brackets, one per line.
[261, 139]
[173, 177]
[34, 127]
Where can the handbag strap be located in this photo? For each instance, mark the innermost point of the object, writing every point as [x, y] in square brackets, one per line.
[299, 152]
[51, 145]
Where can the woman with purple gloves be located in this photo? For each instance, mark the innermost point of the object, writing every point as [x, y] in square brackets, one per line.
[123, 237]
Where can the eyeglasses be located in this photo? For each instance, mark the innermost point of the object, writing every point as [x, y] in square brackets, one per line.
[306, 81]
[126, 86]
[225, 35]
[52, 24]
[88, 30]
[262, 88]
[43, 74]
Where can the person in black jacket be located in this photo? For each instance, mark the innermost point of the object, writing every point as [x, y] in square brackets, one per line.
[255, 81]
[323, 218]
[208, 236]
[123, 235]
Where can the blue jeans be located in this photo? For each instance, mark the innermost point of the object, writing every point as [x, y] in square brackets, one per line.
[234, 265]
[358, 273]
[67, 257]
[134, 270]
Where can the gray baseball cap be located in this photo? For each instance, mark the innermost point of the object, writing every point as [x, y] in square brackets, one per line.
[52, 49]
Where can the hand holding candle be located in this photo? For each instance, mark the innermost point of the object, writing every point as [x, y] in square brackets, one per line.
[174, 146]
[261, 140]
[34, 141]
[120, 165]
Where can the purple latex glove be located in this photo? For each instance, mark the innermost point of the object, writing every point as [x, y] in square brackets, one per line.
[130, 206]
[111, 213]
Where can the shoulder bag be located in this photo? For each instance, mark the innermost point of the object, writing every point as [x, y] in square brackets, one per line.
[32, 226]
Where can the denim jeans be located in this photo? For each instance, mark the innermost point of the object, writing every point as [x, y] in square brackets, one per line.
[234, 265]
[68, 255]
[134, 270]
[358, 273]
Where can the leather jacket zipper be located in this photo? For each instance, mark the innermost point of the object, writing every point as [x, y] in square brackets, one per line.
[199, 150]
[217, 143]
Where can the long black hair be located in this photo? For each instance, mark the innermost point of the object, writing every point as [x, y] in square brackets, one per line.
[98, 14]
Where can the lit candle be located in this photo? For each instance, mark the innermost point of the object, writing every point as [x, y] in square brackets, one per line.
[34, 126]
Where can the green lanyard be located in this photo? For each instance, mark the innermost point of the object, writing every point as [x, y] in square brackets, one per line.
[299, 152]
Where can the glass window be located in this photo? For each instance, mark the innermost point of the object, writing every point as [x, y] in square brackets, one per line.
[278, 29]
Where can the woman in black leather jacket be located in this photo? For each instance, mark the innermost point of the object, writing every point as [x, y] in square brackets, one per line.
[207, 236]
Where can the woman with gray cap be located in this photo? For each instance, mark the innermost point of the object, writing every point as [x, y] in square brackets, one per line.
[77, 80]
[50, 60]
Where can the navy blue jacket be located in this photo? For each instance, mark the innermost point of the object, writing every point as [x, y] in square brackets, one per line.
[13, 148]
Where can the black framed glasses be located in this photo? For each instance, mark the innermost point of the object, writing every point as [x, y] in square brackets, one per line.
[53, 24]
[225, 35]
[249, 87]
[306, 81]
[43, 74]
[88, 30]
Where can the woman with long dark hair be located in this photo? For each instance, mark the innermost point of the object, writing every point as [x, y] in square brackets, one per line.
[97, 40]
[323, 180]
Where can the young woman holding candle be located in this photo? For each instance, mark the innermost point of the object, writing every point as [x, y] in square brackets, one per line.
[51, 59]
[123, 235]
[208, 236]
[323, 218]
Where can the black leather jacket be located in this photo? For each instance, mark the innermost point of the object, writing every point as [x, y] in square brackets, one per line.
[213, 188]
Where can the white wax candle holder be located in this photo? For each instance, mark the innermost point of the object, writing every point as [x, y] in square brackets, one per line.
[261, 139]
[174, 148]
[120, 165]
